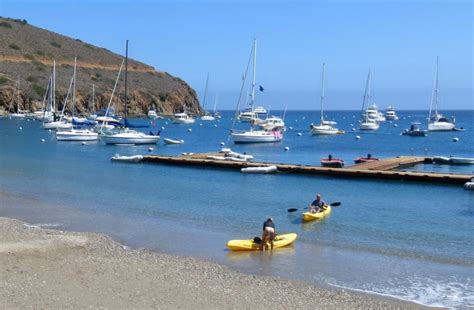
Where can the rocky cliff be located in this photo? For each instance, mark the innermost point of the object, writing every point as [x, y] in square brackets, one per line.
[27, 54]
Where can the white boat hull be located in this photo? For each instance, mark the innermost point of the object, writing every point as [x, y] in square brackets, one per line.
[171, 141]
[17, 115]
[440, 126]
[324, 130]
[207, 118]
[268, 169]
[257, 136]
[369, 126]
[128, 159]
[126, 138]
[77, 135]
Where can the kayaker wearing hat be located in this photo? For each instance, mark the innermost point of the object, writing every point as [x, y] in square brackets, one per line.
[268, 234]
[317, 205]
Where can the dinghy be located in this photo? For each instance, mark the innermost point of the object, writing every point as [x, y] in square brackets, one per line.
[171, 141]
[267, 169]
[129, 159]
[461, 160]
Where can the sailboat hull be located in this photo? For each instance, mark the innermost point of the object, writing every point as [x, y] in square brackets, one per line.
[77, 135]
[324, 130]
[127, 138]
[257, 136]
[440, 126]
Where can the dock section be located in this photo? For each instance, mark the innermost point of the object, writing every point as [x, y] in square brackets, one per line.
[356, 171]
[392, 163]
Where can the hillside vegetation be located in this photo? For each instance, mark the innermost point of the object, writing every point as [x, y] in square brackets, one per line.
[27, 53]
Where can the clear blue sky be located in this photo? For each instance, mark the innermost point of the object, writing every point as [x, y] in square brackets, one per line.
[398, 40]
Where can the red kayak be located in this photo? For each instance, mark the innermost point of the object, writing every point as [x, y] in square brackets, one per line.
[361, 160]
[333, 162]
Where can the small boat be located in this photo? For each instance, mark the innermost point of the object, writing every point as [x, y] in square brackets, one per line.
[171, 141]
[415, 130]
[183, 118]
[469, 185]
[308, 216]
[461, 160]
[267, 169]
[152, 113]
[130, 159]
[229, 153]
[207, 116]
[260, 110]
[77, 135]
[253, 245]
[390, 114]
[459, 129]
[332, 162]
[369, 158]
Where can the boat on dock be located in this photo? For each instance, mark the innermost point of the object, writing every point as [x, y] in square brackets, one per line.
[264, 169]
[369, 158]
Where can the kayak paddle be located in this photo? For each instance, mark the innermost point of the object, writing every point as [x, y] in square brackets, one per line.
[334, 204]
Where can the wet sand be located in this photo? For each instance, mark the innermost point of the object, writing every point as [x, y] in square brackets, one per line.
[42, 268]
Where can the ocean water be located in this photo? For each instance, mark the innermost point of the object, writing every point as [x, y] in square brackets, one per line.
[409, 240]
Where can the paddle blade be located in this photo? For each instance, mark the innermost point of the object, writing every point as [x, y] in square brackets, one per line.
[335, 204]
[292, 210]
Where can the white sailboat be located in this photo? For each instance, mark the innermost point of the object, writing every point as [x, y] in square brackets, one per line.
[216, 113]
[323, 128]
[436, 121]
[255, 135]
[367, 122]
[18, 113]
[126, 135]
[207, 116]
[75, 134]
[57, 122]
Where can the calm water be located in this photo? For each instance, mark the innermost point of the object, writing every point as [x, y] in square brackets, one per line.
[410, 240]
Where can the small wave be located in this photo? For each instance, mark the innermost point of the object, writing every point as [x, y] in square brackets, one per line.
[427, 292]
[43, 225]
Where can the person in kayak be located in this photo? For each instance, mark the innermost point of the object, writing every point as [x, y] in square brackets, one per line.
[318, 205]
[268, 234]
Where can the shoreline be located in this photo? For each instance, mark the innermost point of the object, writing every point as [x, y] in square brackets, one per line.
[54, 268]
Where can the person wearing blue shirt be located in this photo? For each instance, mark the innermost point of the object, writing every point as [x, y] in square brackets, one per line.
[317, 205]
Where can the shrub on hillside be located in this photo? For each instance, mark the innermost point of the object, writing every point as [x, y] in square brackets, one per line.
[55, 44]
[14, 47]
[40, 53]
[3, 80]
[5, 24]
[29, 57]
[38, 89]
[31, 79]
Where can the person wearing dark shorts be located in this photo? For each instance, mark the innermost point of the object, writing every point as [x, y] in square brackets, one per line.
[268, 234]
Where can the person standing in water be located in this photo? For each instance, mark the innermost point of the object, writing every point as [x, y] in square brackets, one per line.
[268, 234]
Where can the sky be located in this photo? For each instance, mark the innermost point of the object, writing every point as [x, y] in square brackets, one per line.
[397, 40]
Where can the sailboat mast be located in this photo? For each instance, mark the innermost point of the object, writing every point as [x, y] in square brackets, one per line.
[323, 77]
[53, 90]
[254, 71]
[126, 73]
[205, 93]
[18, 97]
[436, 86]
[367, 91]
[93, 98]
[215, 102]
[74, 88]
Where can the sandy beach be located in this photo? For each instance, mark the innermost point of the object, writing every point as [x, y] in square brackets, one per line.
[42, 268]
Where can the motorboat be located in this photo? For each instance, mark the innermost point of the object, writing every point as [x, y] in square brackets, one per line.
[152, 114]
[369, 124]
[272, 123]
[390, 114]
[247, 116]
[259, 110]
[332, 162]
[369, 158]
[436, 121]
[415, 130]
[76, 135]
[207, 117]
[183, 118]
[373, 113]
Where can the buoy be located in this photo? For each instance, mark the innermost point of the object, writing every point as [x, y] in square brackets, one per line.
[287, 148]
[43, 140]
[357, 137]
[299, 134]
[27, 119]
[49, 130]
[150, 149]
[21, 128]
[200, 124]
[353, 129]
[455, 139]
[162, 128]
[291, 128]
[182, 141]
[352, 125]
[166, 123]
[215, 125]
[83, 143]
[395, 125]
[222, 143]
[190, 130]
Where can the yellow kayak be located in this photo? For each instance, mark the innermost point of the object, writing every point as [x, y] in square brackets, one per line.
[250, 245]
[308, 216]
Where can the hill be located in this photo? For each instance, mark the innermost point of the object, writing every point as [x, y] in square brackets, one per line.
[27, 53]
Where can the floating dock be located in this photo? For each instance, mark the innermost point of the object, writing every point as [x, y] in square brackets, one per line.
[382, 169]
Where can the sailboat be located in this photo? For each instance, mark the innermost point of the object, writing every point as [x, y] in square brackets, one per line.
[255, 135]
[125, 135]
[207, 116]
[56, 122]
[436, 121]
[75, 134]
[216, 113]
[323, 128]
[367, 122]
[19, 113]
